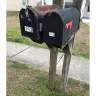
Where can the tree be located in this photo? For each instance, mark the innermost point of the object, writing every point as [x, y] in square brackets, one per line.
[60, 3]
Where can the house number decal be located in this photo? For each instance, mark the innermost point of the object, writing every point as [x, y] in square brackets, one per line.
[28, 29]
[51, 34]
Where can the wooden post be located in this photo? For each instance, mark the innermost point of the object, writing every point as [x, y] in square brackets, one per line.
[66, 63]
[52, 67]
[68, 51]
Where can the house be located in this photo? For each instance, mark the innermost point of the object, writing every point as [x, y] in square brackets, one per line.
[85, 10]
[16, 5]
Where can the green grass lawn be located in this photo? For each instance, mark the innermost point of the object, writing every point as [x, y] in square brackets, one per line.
[81, 45]
[14, 35]
[24, 80]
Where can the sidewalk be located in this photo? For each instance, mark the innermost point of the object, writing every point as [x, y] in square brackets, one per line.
[38, 57]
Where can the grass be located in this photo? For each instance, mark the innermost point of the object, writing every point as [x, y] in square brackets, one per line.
[29, 81]
[81, 45]
[12, 13]
[14, 35]
[73, 82]
[19, 66]
[86, 86]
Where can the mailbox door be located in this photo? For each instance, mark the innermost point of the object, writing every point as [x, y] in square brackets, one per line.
[53, 29]
[29, 24]
[60, 25]
[71, 23]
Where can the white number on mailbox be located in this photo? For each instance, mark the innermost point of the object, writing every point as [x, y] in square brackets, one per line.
[28, 29]
[51, 34]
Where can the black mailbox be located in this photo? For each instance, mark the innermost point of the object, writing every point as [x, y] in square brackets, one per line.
[31, 21]
[31, 24]
[60, 25]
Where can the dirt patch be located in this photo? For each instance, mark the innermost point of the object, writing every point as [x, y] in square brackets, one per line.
[12, 21]
[83, 34]
[34, 82]
[82, 39]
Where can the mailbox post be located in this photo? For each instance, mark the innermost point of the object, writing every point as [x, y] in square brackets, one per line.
[59, 28]
[52, 66]
[57, 31]
[66, 63]
[31, 27]
[68, 52]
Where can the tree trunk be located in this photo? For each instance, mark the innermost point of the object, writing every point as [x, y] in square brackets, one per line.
[60, 3]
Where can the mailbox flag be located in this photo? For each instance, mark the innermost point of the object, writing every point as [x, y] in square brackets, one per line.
[69, 25]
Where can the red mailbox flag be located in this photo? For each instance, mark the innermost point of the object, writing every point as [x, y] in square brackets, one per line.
[69, 25]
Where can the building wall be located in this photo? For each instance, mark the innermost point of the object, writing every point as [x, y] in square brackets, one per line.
[16, 5]
[48, 2]
[84, 9]
[13, 5]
